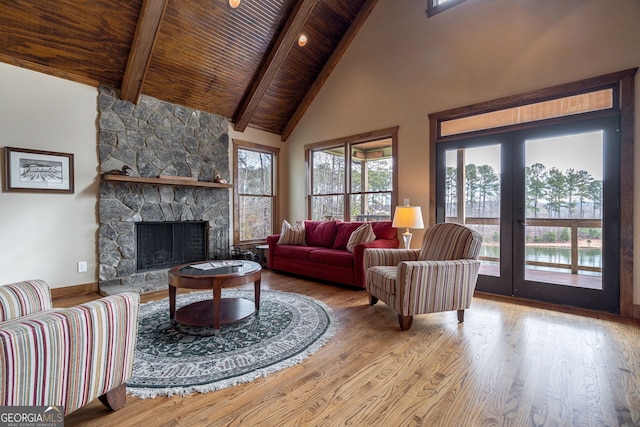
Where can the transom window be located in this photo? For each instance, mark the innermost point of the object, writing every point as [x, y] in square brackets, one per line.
[560, 107]
[436, 6]
[255, 192]
[353, 179]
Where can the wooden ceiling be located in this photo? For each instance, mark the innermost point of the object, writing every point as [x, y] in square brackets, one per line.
[243, 64]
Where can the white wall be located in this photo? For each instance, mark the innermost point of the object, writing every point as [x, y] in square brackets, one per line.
[403, 66]
[44, 235]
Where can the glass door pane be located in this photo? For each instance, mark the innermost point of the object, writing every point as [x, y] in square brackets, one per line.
[472, 197]
[566, 214]
[563, 195]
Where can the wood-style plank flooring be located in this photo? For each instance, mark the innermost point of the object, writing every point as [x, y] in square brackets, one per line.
[508, 364]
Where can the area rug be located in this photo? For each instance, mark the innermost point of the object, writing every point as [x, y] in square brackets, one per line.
[173, 359]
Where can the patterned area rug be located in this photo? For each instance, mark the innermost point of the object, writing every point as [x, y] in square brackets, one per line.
[175, 359]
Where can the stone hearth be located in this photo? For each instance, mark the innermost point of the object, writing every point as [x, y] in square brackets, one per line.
[157, 138]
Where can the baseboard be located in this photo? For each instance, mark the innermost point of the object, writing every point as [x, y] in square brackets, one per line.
[74, 291]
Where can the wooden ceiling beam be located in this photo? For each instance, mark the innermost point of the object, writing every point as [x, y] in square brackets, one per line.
[288, 36]
[342, 47]
[141, 48]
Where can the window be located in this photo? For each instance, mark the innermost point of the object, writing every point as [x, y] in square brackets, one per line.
[436, 6]
[353, 179]
[558, 107]
[255, 169]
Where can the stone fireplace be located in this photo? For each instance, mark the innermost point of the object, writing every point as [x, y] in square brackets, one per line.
[155, 138]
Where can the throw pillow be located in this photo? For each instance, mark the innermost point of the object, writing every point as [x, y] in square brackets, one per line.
[320, 233]
[362, 234]
[384, 230]
[292, 235]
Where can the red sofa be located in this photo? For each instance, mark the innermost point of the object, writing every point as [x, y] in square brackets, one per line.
[325, 255]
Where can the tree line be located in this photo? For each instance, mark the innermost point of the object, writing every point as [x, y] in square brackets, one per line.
[550, 192]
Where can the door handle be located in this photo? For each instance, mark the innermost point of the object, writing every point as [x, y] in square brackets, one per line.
[521, 222]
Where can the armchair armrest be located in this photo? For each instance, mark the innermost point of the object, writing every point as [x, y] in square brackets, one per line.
[34, 359]
[385, 256]
[24, 298]
[104, 333]
[434, 286]
[388, 257]
[358, 256]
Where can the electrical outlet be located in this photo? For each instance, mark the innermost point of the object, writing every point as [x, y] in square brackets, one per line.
[82, 266]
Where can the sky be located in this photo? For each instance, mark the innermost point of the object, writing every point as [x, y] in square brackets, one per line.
[578, 151]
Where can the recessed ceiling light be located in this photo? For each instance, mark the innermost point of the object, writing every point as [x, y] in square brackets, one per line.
[234, 3]
[302, 40]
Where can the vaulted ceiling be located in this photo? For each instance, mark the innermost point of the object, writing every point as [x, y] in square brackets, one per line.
[244, 63]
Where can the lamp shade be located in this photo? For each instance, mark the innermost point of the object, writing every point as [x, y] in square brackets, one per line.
[408, 217]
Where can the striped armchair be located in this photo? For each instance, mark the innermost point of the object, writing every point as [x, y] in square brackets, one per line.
[54, 356]
[441, 276]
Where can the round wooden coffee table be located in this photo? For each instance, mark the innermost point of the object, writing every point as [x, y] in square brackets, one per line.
[214, 275]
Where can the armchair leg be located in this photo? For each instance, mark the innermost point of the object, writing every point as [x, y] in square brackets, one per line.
[460, 316]
[372, 300]
[405, 322]
[115, 399]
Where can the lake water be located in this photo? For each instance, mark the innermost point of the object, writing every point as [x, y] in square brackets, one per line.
[590, 257]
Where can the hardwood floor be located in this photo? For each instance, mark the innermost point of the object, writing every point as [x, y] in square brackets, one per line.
[508, 364]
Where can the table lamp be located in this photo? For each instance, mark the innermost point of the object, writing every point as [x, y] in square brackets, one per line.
[407, 217]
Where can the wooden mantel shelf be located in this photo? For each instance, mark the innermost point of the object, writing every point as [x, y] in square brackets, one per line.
[164, 181]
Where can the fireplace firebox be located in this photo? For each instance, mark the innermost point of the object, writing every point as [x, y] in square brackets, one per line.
[167, 244]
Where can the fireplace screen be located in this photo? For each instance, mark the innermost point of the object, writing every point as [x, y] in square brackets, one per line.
[167, 244]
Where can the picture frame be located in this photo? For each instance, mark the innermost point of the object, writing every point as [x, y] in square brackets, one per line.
[37, 171]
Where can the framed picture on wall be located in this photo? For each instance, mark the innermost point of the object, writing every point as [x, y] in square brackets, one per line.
[36, 171]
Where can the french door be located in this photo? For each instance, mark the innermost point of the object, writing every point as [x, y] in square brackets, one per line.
[546, 201]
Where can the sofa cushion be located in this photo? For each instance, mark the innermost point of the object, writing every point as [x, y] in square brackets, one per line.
[321, 233]
[345, 229]
[362, 234]
[384, 277]
[384, 230]
[294, 252]
[292, 235]
[334, 257]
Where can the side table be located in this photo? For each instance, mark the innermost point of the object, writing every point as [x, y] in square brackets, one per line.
[262, 251]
